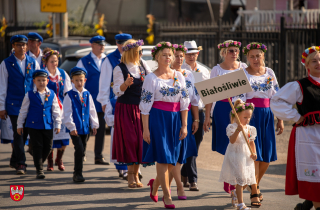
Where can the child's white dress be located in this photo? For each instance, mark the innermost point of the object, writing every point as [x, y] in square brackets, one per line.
[238, 167]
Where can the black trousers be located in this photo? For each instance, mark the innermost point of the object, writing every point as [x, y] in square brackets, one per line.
[189, 169]
[100, 136]
[80, 145]
[18, 156]
[41, 141]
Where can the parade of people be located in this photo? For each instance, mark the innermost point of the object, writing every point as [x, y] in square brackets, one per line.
[187, 119]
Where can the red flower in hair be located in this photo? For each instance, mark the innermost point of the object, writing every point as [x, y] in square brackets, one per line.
[304, 54]
[311, 51]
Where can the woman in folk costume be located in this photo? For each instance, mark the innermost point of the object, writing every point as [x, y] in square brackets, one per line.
[303, 163]
[59, 82]
[264, 84]
[188, 145]
[128, 78]
[164, 108]
[229, 53]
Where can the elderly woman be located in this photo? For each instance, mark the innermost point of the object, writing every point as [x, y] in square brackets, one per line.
[59, 82]
[164, 108]
[264, 84]
[128, 79]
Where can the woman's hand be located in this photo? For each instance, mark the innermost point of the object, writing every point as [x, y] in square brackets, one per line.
[206, 124]
[300, 120]
[280, 127]
[254, 156]
[57, 130]
[183, 132]
[146, 136]
[129, 80]
[195, 127]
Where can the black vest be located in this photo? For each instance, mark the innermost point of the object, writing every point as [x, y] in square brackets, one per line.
[133, 93]
[310, 106]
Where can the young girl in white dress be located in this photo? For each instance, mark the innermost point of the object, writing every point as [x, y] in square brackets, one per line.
[238, 164]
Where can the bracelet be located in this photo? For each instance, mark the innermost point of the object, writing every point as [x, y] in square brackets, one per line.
[254, 153]
[196, 120]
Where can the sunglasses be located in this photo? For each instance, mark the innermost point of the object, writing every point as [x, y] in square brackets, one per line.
[233, 51]
[140, 52]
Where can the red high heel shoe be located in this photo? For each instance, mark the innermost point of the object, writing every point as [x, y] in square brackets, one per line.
[171, 206]
[153, 197]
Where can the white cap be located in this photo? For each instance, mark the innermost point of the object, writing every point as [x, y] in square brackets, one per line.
[191, 46]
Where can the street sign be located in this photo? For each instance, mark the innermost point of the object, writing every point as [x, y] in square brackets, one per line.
[223, 87]
[58, 6]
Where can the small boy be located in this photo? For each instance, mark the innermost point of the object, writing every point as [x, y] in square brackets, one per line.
[40, 109]
[79, 113]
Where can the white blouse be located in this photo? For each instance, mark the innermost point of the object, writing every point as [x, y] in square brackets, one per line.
[118, 78]
[218, 71]
[193, 93]
[282, 102]
[264, 86]
[156, 89]
[67, 82]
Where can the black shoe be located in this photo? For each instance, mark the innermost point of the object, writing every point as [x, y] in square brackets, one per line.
[125, 176]
[101, 161]
[193, 187]
[78, 178]
[306, 205]
[21, 169]
[120, 173]
[140, 176]
[40, 175]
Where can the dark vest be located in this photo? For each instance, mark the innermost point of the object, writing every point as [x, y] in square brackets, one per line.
[133, 93]
[52, 85]
[310, 105]
[39, 114]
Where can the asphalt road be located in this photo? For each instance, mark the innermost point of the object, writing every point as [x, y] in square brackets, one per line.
[103, 189]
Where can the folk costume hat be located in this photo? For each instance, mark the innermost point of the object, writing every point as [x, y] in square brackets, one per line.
[19, 38]
[133, 45]
[98, 39]
[35, 36]
[253, 46]
[180, 47]
[161, 46]
[227, 44]
[122, 38]
[40, 73]
[192, 47]
[307, 52]
[78, 71]
[242, 106]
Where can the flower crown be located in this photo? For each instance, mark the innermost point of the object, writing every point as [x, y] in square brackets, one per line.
[180, 47]
[229, 44]
[133, 45]
[161, 46]
[307, 52]
[243, 107]
[253, 46]
[49, 53]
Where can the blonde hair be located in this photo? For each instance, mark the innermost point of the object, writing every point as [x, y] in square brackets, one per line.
[238, 103]
[223, 52]
[311, 56]
[248, 63]
[132, 55]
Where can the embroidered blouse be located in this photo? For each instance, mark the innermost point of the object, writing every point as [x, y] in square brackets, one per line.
[193, 93]
[118, 79]
[264, 86]
[167, 90]
[67, 82]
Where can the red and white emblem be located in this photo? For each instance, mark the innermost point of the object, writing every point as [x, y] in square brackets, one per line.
[16, 192]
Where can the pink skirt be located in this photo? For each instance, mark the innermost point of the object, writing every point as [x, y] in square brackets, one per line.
[128, 136]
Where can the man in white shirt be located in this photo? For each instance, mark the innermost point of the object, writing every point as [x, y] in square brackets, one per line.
[92, 64]
[189, 170]
[34, 43]
[15, 81]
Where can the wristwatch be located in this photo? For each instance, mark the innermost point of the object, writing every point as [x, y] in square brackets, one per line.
[196, 120]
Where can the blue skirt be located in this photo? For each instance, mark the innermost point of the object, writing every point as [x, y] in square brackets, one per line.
[188, 145]
[59, 143]
[164, 144]
[220, 122]
[263, 120]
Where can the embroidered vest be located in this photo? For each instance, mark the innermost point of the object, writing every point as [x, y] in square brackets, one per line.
[18, 84]
[39, 114]
[309, 107]
[93, 75]
[80, 111]
[131, 95]
[53, 86]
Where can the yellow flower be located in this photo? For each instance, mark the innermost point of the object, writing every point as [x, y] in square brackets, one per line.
[150, 39]
[97, 26]
[148, 30]
[317, 48]
[100, 32]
